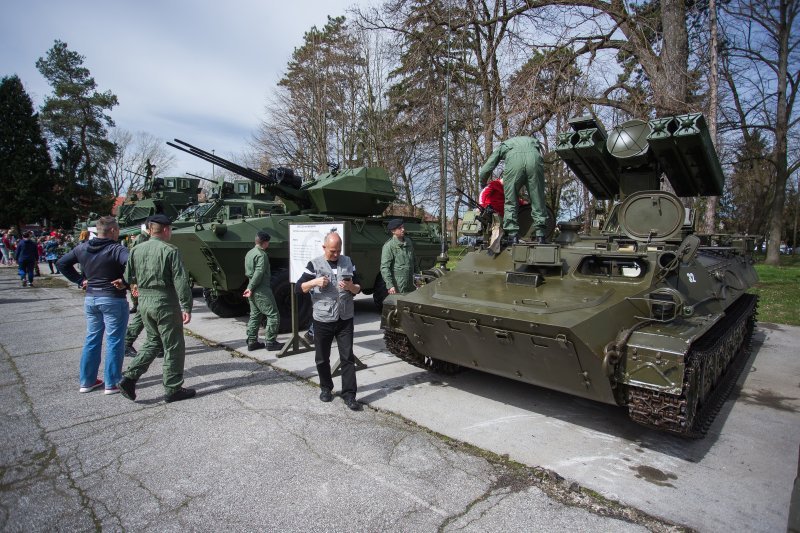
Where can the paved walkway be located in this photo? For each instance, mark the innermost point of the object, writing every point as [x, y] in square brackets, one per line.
[255, 451]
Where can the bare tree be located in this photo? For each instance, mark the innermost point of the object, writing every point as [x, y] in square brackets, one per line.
[762, 69]
[126, 170]
[315, 113]
[710, 219]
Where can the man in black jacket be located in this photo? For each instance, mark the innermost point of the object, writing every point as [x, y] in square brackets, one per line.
[102, 261]
[26, 255]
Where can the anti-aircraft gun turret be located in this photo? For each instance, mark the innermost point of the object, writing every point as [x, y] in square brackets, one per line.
[168, 196]
[213, 250]
[159, 195]
[644, 314]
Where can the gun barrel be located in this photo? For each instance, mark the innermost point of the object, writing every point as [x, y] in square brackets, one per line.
[469, 198]
[200, 177]
[246, 172]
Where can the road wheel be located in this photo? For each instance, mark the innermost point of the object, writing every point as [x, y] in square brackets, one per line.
[282, 290]
[226, 304]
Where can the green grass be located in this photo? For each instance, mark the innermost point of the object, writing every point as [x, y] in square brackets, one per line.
[778, 288]
[778, 291]
[455, 253]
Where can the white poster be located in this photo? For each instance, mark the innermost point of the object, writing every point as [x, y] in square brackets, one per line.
[305, 243]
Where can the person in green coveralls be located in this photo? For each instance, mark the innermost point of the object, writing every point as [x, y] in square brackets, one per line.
[135, 325]
[156, 275]
[259, 295]
[523, 168]
[397, 260]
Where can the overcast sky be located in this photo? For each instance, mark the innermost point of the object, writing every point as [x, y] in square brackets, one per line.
[200, 71]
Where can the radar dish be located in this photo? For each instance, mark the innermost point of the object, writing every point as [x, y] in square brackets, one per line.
[629, 139]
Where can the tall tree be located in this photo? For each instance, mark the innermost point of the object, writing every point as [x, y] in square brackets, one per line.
[315, 115]
[761, 64]
[749, 188]
[710, 218]
[27, 182]
[75, 114]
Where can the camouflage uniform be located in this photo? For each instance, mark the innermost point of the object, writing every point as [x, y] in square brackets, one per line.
[135, 325]
[397, 265]
[156, 268]
[262, 302]
[524, 168]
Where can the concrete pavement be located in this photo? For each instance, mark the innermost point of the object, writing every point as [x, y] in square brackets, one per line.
[255, 450]
[739, 477]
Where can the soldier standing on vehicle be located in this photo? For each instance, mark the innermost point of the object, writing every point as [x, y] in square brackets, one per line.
[523, 168]
[156, 275]
[397, 260]
[259, 295]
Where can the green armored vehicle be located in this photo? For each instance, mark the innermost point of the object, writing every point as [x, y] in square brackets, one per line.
[645, 314]
[213, 250]
[230, 201]
[168, 196]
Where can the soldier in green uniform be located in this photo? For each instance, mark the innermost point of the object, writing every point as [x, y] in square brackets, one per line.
[524, 168]
[135, 325]
[156, 275]
[259, 295]
[397, 260]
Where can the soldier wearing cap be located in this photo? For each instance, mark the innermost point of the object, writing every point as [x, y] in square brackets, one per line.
[259, 295]
[156, 275]
[397, 259]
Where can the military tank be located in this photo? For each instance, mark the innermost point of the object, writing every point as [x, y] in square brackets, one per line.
[643, 313]
[213, 250]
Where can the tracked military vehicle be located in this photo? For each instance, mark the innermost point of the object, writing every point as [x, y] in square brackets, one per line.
[213, 250]
[644, 314]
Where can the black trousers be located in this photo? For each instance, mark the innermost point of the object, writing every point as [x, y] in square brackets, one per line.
[324, 333]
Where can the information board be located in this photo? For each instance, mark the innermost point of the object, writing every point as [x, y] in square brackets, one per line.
[305, 243]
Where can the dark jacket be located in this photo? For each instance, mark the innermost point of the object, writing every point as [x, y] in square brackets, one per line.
[102, 261]
[26, 251]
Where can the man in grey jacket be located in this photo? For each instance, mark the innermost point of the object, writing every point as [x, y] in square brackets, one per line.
[331, 279]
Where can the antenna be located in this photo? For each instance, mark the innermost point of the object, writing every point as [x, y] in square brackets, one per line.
[443, 258]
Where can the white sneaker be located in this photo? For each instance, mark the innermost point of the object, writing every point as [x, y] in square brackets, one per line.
[90, 388]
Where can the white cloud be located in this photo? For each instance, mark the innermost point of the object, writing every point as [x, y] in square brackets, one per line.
[197, 70]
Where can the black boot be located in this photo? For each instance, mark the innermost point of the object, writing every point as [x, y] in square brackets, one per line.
[273, 346]
[180, 394]
[127, 387]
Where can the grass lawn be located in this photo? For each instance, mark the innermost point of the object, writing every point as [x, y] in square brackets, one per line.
[778, 288]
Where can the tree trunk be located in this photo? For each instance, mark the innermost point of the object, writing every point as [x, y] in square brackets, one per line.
[781, 141]
[670, 78]
[709, 225]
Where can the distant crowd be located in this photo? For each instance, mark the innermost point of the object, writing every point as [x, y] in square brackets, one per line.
[50, 244]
